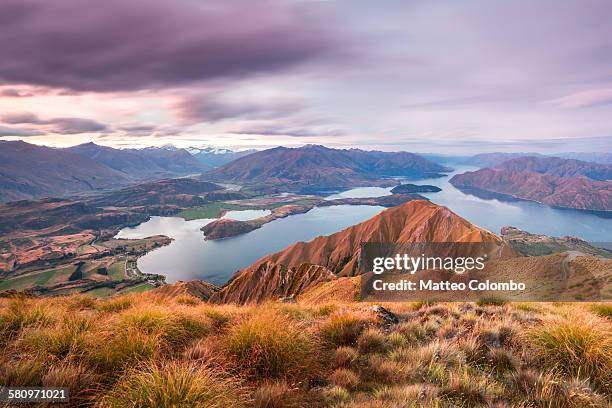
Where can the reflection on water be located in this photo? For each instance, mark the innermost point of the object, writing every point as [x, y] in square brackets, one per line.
[361, 192]
[191, 257]
[245, 215]
[494, 213]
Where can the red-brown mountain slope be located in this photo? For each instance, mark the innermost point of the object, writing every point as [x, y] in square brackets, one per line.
[577, 192]
[338, 254]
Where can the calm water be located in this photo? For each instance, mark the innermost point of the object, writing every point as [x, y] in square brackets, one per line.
[245, 215]
[191, 257]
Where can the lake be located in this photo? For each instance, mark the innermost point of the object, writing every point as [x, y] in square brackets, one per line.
[189, 256]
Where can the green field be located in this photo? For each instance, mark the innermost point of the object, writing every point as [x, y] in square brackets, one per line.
[213, 210]
[37, 279]
[117, 271]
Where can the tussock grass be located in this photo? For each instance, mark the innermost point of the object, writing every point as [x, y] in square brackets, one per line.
[491, 300]
[342, 377]
[277, 394]
[268, 344]
[175, 384]
[343, 329]
[187, 300]
[372, 341]
[20, 314]
[345, 356]
[116, 304]
[82, 383]
[143, 350]
[21, 373]
[70, 336]
[411, 396]
[576, 345]
[602, 310]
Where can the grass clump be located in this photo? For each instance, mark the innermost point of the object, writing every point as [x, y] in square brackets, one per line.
[69, 336]
[274, 395]
[342, 329]
[116, 304]
[372, 341]
[188, 300]
[268, 344]
[491, 300]
[575, 346]
[602, 310]
[21, 373]
[345, 356]
[175, 384]
[21, 314]
[345, 378]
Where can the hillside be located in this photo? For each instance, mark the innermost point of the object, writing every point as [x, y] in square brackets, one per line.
[552, 181]
[167, 350]
[338, 254]
[313, 168]
[148, 163]
[29, 171]
[556, 166]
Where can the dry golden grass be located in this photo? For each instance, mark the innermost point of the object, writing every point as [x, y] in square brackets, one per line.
[137, 350]
[268, 344]
[576, 345]
[175, 384]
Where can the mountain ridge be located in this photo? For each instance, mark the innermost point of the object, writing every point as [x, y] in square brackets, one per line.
[313, 167]
[337, 254]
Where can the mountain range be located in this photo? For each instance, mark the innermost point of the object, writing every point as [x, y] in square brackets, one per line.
[30, 171]
[553, 181]
[316, 168]
[215, 157]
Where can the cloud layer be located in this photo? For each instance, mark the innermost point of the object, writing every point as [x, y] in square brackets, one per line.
[119, 45]
[414, 75]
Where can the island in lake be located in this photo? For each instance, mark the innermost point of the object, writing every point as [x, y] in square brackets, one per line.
[415, 188]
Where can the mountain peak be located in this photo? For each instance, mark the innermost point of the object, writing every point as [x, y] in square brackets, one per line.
[327, 257]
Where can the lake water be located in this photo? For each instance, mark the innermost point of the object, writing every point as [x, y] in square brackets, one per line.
[245, 215]
[189, 256]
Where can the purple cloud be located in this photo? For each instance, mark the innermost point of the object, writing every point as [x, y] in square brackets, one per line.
[9, 131]
[118, 45]
[214, 108]
[273, 130]
[68, 126]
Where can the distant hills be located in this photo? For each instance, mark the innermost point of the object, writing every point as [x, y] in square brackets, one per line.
[317, 168]
[554, 181]
[494, 158]
[148, 163]
[30, 171]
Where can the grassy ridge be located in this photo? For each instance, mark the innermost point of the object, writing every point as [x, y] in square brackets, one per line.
[141, 350]
[213, 210]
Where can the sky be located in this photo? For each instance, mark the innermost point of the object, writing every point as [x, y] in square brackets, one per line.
[424, 76]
